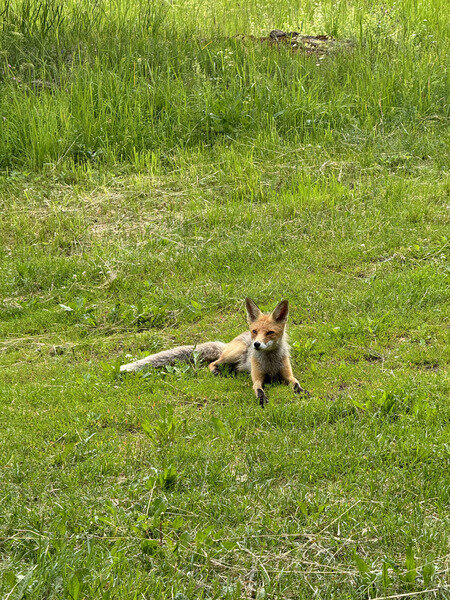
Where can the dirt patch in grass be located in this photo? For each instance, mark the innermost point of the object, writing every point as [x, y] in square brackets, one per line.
[308, 44]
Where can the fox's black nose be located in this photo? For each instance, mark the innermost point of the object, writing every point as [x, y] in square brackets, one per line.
[256, 345]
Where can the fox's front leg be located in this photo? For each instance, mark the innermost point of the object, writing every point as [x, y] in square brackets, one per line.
[258, 381]
[288, 376]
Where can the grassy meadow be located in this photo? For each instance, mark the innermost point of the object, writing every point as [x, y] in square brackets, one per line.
[155, 169]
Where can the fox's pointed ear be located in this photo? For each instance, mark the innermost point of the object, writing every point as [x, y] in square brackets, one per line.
[281, 311]
[253, 311]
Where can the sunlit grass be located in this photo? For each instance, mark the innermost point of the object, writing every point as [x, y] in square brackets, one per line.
[155, 171]
[111, 83]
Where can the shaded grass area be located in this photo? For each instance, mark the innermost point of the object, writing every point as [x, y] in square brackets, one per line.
[155, 172]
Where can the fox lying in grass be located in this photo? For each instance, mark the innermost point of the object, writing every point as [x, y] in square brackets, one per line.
[262, 351]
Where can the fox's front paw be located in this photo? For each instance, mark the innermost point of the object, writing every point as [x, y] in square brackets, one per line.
[299, 390]
[263, 400]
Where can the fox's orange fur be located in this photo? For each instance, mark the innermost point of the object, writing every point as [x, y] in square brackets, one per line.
[263, 351]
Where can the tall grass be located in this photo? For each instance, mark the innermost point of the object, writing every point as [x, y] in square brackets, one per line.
[122, 82]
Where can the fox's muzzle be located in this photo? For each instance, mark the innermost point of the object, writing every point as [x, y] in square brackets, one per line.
[263, 346]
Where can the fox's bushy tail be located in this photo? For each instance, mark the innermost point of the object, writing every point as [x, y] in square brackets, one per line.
[209, 352]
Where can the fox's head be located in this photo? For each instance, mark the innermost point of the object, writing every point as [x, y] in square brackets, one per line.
[266, 329]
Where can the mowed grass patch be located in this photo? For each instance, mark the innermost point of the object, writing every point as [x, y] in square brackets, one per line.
[220, 498]
[157, 170]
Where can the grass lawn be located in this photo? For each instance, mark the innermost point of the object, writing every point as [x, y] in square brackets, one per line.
[155, 170]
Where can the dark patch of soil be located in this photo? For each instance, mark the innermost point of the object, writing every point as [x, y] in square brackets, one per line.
[309, 44]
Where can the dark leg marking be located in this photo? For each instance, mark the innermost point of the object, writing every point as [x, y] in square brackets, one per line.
[263, 400]
[299, 390]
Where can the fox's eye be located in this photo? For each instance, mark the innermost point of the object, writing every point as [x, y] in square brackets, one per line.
[254, 331]
[270, 332]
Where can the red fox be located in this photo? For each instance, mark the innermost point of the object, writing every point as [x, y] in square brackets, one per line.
[262, 351]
